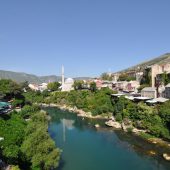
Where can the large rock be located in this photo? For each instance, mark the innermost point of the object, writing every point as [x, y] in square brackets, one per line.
[166, 156]
[114, 124]
[97, 125]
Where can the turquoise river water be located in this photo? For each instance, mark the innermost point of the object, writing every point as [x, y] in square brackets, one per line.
[86, 148]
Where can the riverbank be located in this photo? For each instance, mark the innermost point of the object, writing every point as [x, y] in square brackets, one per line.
[111, 122]
[79, 112]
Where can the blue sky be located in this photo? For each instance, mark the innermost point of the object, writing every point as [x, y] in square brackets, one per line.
[88, 36]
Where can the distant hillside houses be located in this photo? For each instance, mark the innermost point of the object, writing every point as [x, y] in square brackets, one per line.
[38, 87]
[153, 76]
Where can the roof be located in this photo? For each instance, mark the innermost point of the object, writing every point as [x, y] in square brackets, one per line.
[157, 100]
[142, 98]
[129, 97]
[3, 104]
[117, 95]
[69, 81]
[149, 89]
[168, 85]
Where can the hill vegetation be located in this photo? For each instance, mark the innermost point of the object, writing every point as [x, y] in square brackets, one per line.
[31, 78]
[163, 59]
[22, 77]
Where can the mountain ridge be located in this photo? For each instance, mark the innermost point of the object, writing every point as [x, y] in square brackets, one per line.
[31, 78]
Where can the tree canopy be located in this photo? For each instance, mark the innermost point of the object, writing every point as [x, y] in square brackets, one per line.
[106, 76]
[53, 86]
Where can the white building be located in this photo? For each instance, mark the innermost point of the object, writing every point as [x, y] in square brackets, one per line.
[39, 87]
[42, 86]
[67, 85]
[33, 87]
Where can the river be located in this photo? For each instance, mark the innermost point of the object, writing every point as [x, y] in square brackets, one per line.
[85, 147]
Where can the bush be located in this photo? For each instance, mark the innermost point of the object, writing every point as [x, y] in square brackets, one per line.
[15, 167]
[17, 102]
[118, 117]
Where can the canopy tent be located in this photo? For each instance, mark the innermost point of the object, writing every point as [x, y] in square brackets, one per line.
[4, 104]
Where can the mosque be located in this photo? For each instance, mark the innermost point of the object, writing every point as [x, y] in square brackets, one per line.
[67, 85]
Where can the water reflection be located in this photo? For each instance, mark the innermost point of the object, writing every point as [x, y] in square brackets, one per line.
[67, 124]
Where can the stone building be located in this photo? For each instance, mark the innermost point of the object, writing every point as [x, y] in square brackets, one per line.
[159, 69]
[149, 92]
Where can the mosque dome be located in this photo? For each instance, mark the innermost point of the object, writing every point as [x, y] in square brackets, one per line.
[69, 81]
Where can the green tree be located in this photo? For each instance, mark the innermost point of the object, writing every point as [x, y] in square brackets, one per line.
[164, 112]
[146, 79]
[17, 102]
[12, 130]
[93, 87]
[126, 77]
[53, 86]
[38, 146]
[106, 76]
[9, 88]
[15, 167]
[78, 84]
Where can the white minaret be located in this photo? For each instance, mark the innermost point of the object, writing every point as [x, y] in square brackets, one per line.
[62, 70]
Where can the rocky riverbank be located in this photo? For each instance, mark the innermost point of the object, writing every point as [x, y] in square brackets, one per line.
[79, 112]
[111, 122]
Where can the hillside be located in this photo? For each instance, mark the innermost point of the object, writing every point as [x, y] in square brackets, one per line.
[21, 77]
[163, 59]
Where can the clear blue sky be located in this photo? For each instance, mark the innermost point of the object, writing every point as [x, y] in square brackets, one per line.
[87, 36]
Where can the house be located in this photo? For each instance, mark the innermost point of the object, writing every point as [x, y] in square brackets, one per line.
[167, 91]
[42, 86]
[33, 87]
[149, 92]
[107, 83]
[39, 87]
[132, 86]
[121, 85]
[99, 83]
[115, 77]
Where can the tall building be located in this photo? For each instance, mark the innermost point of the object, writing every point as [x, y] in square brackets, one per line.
[67, 85]
[62, 75]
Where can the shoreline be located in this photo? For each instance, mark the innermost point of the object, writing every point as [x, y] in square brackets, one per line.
[110, 122]
[79, 112]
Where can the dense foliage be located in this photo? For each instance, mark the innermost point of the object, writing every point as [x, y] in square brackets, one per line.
[106, 76]
[11, 90]
[146, 79]
[163, 78]
[95, 102]
[38, 147]
[12, 130]
[53, 86]
[35, 96]
[27, 143]
[126, 77]
[155, 120]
